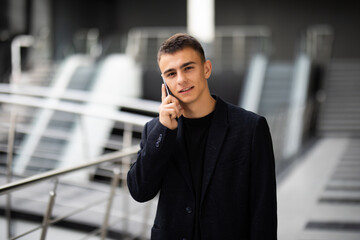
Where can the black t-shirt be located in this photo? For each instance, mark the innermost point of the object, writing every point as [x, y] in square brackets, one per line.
[196, 134]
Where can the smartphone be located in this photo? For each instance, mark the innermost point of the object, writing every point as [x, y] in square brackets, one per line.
[168, 92]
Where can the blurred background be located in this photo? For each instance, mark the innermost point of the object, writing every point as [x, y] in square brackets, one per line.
[79, 79]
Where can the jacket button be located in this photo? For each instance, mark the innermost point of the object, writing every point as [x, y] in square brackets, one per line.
[157, 144]
[188, 210]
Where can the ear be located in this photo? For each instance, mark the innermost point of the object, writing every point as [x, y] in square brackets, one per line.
[207, 69]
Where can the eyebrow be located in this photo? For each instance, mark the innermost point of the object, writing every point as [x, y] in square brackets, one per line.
[182, 66]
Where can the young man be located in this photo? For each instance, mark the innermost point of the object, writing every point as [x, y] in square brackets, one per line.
[211, 161]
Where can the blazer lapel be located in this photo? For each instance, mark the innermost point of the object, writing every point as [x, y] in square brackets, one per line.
[217, 133]
[181, 158]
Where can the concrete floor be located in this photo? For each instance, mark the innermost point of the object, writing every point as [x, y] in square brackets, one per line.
[320, 199]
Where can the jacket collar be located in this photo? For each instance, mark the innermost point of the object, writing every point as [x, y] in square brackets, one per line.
[217, 133]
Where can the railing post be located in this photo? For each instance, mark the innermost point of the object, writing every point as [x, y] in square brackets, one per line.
[16, 44]
[125, 166]
[126, 161]
[47, 216]
[85, 142]
[114, 184]
[10, 156]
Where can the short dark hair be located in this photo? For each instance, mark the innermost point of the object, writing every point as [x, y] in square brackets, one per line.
[178, 42]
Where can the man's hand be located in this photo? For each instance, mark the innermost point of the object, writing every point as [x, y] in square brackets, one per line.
[169, 110]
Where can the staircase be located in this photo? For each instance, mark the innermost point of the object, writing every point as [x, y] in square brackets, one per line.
[276, 89]
[340, 112]
[275, 101]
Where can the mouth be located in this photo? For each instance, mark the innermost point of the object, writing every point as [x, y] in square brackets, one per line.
[185, 90]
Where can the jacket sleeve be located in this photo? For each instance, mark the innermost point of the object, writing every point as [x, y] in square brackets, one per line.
[145, 175]
[263, 185]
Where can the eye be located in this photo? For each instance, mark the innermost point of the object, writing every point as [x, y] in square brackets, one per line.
[170, 74]
[188, 68]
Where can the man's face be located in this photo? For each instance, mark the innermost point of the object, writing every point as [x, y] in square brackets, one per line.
[185, 74]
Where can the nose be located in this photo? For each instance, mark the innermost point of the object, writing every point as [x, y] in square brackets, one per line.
[180, 77]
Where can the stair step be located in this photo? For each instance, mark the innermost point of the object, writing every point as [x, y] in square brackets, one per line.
[346, 107]
[345, 86]
[339, 110]
[341, 121]
[340, 129]
[338, 124]
[334, 115]
[340, 113]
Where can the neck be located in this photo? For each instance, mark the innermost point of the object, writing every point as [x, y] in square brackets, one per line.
[200, 108]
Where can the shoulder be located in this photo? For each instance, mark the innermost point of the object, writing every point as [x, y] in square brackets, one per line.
[238, 112]
[247, 124]
[149, 126]
[241, 116]
[239, 120]
[152, 123]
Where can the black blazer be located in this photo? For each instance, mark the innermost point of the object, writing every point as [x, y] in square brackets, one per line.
[238, 198]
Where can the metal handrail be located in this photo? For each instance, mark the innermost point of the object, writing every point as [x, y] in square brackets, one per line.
[47, 219]
[256, 30]
[133, 119]
[73, 103]
[127, 118]
[137, 43]
[81, 96]
[16, 185]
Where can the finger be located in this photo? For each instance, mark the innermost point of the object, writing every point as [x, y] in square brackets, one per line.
[171, 109]
[173, 115]
[173, 104]
[169, 114]
[163, 92]
[171, 101]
